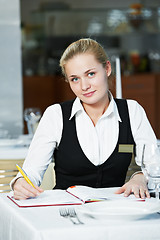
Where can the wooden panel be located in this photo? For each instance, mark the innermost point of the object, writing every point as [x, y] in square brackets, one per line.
[143, 89]
[142, 84]
[44, 91]
[63, 91]
[39, 91]
[8, 171]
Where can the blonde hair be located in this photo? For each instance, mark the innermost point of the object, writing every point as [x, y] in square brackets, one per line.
[84, 45]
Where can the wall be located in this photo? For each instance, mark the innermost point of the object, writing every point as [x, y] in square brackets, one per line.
[28, 5]
[129, 38]
[10, 68]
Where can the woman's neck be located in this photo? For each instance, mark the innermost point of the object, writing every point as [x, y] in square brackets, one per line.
[95, 111]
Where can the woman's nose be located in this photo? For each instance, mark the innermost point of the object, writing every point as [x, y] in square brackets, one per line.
[85, 84]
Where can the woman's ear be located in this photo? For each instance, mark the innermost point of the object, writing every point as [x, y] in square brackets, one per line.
[108, 68]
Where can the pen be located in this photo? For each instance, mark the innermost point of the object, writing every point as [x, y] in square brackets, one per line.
[24, 175]
[98, 200]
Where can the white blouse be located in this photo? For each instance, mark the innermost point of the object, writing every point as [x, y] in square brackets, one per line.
[97, 142]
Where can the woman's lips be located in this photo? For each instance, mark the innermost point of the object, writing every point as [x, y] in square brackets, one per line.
[89, 94]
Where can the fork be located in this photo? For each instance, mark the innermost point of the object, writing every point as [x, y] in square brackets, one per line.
[73, 214]
[65, 213]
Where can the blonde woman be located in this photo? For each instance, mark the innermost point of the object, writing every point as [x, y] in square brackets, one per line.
[84, 135]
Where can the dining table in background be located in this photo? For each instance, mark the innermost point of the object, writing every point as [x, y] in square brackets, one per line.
[45, 223]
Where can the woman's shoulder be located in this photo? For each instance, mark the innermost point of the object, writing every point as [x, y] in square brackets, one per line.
[53, 107]
[56, 109]
[53, 111]
[133, 103]
[135, 107]
[129, 101]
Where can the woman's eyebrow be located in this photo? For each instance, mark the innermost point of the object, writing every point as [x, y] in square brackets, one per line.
[91, 69]
[87, 71]
[72, 76]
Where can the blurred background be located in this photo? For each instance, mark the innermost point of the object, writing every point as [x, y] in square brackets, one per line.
[34, 33]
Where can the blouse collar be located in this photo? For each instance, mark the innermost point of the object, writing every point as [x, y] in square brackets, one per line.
[77, 108]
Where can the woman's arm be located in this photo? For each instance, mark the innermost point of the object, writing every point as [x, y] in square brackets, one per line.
[142, 133]
[40, 153]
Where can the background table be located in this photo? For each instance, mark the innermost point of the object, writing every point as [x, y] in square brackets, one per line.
[45, 223]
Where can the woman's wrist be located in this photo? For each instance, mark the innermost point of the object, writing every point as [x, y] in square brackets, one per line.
[134, 174]
[13, 182]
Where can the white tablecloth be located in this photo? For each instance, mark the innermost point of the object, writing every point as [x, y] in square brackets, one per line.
[45, 223]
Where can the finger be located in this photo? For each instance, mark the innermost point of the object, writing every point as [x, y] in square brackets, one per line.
[24, 193]
[39, 189]
[19, 196]
[147, 194]
[23, 190]
[29, 190]
[120, 190]
[136, 192]
[144, 193]
[127, 192]
[34, 190]
[25, 184]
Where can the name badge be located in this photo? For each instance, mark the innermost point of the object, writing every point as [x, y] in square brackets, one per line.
[125, 148]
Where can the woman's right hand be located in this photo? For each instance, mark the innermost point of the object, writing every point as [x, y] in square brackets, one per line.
[23, 190]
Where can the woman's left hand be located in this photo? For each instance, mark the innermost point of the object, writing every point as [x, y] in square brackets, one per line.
[136, 185]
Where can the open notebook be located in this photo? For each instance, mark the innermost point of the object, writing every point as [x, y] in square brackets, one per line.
[74, 195]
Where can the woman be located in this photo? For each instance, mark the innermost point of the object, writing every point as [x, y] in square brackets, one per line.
[86, 135]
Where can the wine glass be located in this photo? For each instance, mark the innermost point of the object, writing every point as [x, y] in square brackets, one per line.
[32, 117]
[150, 164]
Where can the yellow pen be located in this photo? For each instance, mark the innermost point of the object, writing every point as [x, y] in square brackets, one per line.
[24, 175]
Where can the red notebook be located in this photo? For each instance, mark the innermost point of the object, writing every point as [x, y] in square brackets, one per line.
[74, 195]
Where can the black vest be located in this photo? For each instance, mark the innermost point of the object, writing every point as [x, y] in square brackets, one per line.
[72, 167]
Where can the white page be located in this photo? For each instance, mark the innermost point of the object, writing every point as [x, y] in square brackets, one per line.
[90, 194]
[48, 198]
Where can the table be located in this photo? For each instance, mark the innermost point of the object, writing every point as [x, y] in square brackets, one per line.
[45, 223]
[13, 152]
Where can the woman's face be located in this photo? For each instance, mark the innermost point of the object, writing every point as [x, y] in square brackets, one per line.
[88, 78]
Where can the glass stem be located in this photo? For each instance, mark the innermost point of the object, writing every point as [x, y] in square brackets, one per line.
[157, 191]
[30, 127]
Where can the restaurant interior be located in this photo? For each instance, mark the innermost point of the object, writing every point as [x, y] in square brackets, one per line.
[34, 35]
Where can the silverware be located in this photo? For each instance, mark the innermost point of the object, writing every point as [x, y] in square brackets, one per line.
[64, 213]
[71, 214]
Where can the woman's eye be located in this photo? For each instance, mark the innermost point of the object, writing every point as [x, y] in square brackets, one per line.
[91, 74]
[74, 79]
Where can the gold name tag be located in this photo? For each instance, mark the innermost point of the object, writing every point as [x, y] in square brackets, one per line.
[125, 148]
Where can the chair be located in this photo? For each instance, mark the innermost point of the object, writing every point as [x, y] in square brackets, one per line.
[133, 167]
[8, 171]
[49, 178]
